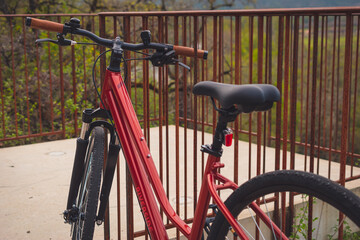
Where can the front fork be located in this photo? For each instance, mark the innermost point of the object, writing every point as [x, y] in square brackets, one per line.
[71, 214]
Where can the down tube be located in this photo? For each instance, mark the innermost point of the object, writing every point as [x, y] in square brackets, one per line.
[126, 120]
[143, 190]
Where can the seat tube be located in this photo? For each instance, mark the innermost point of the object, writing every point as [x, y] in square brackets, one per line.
[203, 201]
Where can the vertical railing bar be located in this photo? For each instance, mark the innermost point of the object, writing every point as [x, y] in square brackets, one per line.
[307, 94]
[260, 80]
[74, 83]
[293, 87]
[167, 114]
[278, 110]
[279, 86]
[286, 89]
[84, 63]
[207, 77]
[62, 88]
[302, 74]
[266, 77]
[215, 56]
[177, 123]
[204, 76]
[94, 49]
[2, 102]
[338, 84]
[231, 53]
[313, 116]
[237, 77]
[293, 103]
[325, 82]
[118, 212]
[160, 94]
[50, 86]
[147, 89]
[196, 38]
[135, 66]
[320, 93]
[240, 66]
[115, 33]
[346, 108]
[26, 78]
[203, 19]
[146, 94]
[154, 80]
[251, 38]
[355, 95]
[38, 81]
[145, 109]
[102, 30]
[129, 205]
[207, 73]
[13, 78]
[221, 57]
[260, 47]
[332, 94]
[190, 32]
[285, 116]
[346, 98]
[184, 73]
[313, 94]
[220, 53]
[270, 77]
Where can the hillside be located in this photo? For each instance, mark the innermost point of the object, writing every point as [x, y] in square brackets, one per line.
[305, 3]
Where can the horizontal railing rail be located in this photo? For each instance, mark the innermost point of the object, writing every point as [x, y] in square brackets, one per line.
[310, 54]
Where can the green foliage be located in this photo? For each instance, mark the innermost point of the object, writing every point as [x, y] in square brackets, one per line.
[348, 233]
[300, 227]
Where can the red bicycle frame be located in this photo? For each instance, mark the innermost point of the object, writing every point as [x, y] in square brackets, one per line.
[145, 176]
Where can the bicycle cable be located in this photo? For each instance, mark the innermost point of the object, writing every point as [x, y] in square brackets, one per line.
[99, 94]
[97, 90]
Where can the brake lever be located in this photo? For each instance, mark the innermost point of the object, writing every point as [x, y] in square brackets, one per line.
[183, 65]
[46, 40]
[61, 41]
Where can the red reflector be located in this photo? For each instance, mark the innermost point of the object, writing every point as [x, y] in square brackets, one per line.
[228, 139]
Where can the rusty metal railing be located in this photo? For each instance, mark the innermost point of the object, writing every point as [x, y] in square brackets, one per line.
[311, 55]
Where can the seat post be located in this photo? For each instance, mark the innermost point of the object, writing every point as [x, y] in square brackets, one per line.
[218, 136]
[225, 116]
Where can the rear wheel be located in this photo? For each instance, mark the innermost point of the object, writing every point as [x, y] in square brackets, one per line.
[88, 195]
[307, 193]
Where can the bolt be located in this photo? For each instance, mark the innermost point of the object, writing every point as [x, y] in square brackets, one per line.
[148, 156]
[142, 139]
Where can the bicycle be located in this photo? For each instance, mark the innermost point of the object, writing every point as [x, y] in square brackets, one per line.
[227, 219]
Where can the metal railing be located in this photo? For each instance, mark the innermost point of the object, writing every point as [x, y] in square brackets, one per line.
[311, 55]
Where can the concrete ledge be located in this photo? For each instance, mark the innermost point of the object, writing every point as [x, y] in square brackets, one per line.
[34, 183]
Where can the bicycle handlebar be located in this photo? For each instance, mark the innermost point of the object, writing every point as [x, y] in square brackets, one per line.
[70, 28]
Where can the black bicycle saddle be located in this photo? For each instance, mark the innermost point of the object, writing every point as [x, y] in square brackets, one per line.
[247, 97]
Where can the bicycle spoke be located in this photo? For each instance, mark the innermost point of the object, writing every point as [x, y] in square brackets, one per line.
[257, 225]
[246, 231]
[271, 222]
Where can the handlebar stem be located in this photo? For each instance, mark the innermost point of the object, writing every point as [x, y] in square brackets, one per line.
[116, 56]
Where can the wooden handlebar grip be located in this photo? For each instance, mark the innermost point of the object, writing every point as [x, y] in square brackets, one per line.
[190, 52]
[44, 25]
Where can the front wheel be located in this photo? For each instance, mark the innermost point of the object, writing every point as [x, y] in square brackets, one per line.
[302, 205]
[88, 194]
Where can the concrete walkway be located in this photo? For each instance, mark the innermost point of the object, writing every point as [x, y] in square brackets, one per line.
[34, 183]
